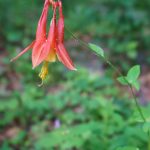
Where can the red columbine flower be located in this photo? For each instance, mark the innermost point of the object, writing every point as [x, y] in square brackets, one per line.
[45, 49]
[55, 43]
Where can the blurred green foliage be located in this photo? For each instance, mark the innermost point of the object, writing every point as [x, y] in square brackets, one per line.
[92, 113]
[89, 117]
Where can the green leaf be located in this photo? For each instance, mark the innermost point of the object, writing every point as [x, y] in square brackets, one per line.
[122, 80]
[136, 84]
[97, 49]
[133, 74]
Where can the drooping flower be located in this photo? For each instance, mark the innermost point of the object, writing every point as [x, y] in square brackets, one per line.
[47, 48]
[55, 43]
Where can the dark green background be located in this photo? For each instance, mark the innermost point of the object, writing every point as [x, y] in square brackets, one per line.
[94, 111]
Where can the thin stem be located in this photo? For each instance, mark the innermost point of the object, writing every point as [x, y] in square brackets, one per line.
[131, 89]
[137, 104]
[75, 37]
[115, 69]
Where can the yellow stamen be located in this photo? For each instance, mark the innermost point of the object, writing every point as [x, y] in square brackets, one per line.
[44, 71]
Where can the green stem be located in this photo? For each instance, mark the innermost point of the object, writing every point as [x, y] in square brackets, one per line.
[131, 89]
[137, 104]
[117, 70]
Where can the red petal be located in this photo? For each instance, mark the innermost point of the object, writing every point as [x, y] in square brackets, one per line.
[60, 24]
[41, 29]
[42, 47]
[64, 57]
[24, 51]
[62, 53]
[51, 40]
[38, 53]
